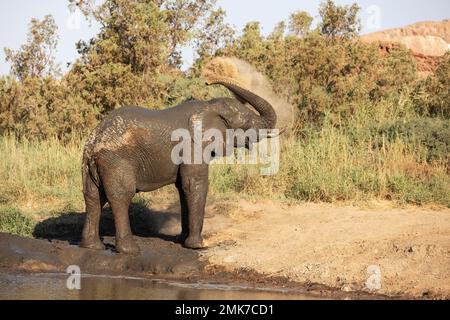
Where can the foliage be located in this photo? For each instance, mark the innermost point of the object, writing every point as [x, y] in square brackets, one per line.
[433, 94]
[431, 134]
[14, 221]
[322, 77]
[329, 166]
[132, 33]
[214, 35]
[339, 21]
[138, 44]
[43, 107]
[367, 126]
[117, 65]
[133, 61]
[186, 18]
[35, 58]
[300, 23]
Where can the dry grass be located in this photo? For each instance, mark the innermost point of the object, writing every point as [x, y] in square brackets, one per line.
[329, 167]
[40, 174]
[40, 179]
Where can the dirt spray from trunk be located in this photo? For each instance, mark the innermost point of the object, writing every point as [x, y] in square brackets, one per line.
[246, 76]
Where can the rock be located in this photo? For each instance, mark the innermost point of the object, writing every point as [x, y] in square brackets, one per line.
[427, 38]
[428, 41]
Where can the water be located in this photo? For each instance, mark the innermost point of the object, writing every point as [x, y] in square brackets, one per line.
[53, 286]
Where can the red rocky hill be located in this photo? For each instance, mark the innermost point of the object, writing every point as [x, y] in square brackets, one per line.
[427, 40]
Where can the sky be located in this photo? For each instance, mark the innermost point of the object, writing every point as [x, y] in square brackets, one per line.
[375, 15]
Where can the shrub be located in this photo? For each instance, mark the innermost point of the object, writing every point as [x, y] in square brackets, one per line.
[13, 221]
[431, 133]
[326, 77]
[433, 94]
[40, 108]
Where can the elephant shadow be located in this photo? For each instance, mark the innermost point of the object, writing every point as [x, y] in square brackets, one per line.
[145, 223]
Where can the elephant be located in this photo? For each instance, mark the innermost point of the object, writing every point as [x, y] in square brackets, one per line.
[130, 152]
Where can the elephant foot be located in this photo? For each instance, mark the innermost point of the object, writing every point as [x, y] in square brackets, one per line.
[181, 238]
[94, 244]
[195, 243]
[127, 246]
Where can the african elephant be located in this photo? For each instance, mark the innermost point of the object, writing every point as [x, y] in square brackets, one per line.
[130, 152]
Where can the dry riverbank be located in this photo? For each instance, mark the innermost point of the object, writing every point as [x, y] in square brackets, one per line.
[335, 246]
[324, 250]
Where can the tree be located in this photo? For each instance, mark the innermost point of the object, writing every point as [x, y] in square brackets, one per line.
[440, 89]
[35, 58]
[433, 96]
[147, 29]
[339, 21]
[250, 45]
[278, 32]
[300, 23]
[184, 19]
[133, 33]
[214, 35]
[135, 58]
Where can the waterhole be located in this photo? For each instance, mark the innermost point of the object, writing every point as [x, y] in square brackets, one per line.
[54, 286]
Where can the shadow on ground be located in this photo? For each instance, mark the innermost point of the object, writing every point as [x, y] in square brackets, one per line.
[58, 237]
[145, 223]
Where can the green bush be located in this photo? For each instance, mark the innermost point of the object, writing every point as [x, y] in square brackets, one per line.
[419, 192]
[42, 108]
[323, 76]
[433, 94]
[13, 221]
[431, 133]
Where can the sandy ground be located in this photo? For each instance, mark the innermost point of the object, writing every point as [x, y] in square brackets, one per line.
[310, 246]
[335, 246]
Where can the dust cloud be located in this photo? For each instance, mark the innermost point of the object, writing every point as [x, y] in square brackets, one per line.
[246, 76]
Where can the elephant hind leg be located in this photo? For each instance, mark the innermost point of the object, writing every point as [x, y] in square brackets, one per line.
[95, 200]
[124, 236]
[120, 190]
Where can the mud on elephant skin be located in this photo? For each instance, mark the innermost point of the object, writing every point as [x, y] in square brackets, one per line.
[131, 151]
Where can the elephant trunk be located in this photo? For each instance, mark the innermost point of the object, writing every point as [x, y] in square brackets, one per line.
[264, 108]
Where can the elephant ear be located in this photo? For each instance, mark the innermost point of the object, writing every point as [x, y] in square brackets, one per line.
[202, 122]
[196, 124]
[206, 120]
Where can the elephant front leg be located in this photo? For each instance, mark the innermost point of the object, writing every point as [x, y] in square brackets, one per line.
[194, 181]
[181, 238]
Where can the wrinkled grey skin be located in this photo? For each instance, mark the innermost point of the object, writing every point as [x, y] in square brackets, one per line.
[130, 152]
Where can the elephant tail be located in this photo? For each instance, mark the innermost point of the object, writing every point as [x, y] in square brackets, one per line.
[89, 169]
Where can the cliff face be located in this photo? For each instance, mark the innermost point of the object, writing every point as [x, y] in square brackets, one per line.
[427, 40]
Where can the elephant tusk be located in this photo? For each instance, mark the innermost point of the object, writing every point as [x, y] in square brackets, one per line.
[271, 135]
